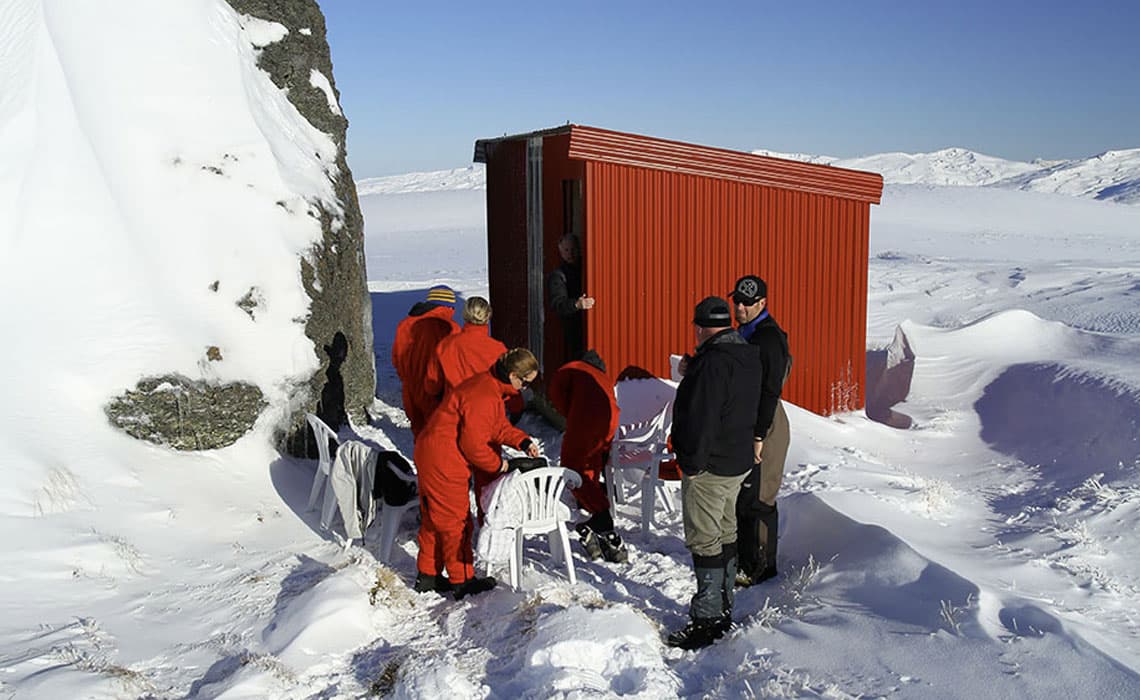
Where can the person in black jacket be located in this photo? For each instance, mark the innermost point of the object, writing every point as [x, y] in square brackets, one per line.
[713, 414]
[564, 285]
[756, 510]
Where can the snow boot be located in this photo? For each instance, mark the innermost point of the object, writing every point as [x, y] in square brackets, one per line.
[708, 601]
[728, 588]
[699, 633]
[590, 542]
[428, 583]
[613, 549]
[474, 586]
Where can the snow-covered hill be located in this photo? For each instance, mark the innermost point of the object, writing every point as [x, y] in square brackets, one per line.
[1113, 175]
[473, 177]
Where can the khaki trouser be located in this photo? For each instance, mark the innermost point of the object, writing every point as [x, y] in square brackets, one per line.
[775, 452]
[708, 510]
[758, 518]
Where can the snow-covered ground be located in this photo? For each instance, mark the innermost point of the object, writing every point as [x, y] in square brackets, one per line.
[987, 551]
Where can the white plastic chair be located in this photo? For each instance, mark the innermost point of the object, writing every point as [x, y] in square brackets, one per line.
[391, 516]
[540, 492]
[641, 447]
[322, 433]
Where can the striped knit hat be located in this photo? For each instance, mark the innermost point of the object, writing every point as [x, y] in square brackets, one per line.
[441, 294]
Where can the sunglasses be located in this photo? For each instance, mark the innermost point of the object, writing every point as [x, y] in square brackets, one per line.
[741, 300]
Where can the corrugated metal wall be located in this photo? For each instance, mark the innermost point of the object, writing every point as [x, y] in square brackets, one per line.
[506, 241]
[657, 242]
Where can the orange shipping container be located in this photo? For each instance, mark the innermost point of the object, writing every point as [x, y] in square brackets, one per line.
[664, 224]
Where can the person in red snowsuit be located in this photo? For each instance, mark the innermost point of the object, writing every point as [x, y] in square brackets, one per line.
[466, 433]
[462, 355]
[583, 393]
[417, 336]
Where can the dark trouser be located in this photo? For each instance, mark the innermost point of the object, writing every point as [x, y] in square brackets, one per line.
[757, 533]
[758, 520]
[602, 521]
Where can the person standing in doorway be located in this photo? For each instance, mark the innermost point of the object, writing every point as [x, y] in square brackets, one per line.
[713, 413]
[564, 286]
[756, 506]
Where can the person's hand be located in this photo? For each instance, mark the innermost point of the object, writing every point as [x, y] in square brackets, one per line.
[683, 364]
[532, 450]
[584, 302]
[757, 449]
[504, 466]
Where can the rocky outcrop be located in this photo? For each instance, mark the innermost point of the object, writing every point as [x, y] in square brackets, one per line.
[185, 414]
[334, 275]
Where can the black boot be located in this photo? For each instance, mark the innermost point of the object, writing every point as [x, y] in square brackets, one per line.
[427, 582]
[698, 633]
[750, 547]
[590, 542]
[474, 586]
[770, 517]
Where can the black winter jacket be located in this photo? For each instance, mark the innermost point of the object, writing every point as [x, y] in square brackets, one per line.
[564, 285]
[715, 407]
[772, 342]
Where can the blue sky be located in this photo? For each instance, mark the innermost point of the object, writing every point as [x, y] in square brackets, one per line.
[1019, 80]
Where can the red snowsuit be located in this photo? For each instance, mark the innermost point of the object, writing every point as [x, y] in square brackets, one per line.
[585, 396]
[412, 350]
[464, 434]
[458, 357]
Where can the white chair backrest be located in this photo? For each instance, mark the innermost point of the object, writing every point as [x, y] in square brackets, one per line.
[646, 432]
[322, 433]
[541, 493]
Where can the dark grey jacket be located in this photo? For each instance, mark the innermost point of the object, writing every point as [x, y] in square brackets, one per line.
[715, 408]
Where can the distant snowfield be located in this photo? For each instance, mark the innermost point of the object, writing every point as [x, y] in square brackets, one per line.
[987, 551]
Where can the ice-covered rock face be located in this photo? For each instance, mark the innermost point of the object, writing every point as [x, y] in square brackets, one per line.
[298, 62]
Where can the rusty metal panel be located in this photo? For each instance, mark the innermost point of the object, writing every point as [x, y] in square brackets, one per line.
[658, 241]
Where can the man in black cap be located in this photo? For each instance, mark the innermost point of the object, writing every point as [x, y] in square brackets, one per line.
[713, 414]
[756, 506]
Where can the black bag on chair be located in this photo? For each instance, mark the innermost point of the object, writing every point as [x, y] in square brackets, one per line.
[389, 485]
[525, 464]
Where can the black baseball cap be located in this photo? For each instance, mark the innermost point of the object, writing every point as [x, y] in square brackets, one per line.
[749, 289]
